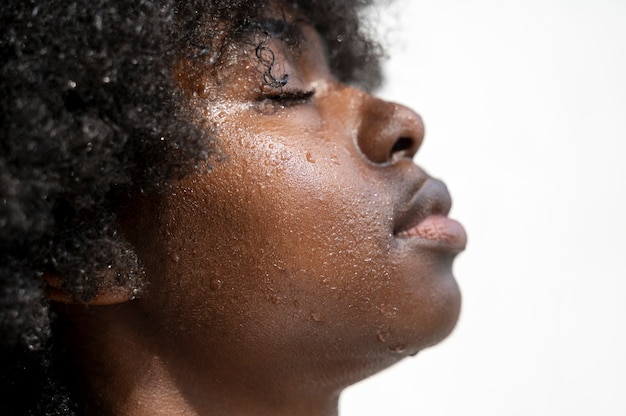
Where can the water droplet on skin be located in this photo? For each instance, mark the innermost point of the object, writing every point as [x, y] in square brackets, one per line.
[221, 115]
[318, 317]
[397, 348]
[388, 310]
[383, 334]
[207, 91]
[216, 284]
[309, 158]
[335, 160]
[213, 58]
[273, 297]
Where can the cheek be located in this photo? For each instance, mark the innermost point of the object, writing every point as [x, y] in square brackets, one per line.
[301, 209]
[297, 243]
[295, 227]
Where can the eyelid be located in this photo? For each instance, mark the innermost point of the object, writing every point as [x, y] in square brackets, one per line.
[271, 101]
[289, 96]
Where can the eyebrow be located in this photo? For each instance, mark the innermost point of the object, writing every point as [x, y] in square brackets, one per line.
[280, 28]
[275, 26]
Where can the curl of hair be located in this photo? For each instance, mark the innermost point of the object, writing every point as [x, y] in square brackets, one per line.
[90, 114]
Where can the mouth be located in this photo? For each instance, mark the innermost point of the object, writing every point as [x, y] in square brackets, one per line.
[424, 219]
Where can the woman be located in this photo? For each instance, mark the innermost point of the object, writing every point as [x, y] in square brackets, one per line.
[204, 212]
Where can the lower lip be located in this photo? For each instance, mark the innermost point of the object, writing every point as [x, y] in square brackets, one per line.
[442, 232]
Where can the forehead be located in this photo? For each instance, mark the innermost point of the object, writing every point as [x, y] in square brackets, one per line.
[353, 56]
[268, 52]
[217, 30]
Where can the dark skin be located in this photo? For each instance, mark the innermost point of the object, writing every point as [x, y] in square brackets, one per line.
[313, 254]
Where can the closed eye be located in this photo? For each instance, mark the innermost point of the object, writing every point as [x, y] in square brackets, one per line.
[289, 98]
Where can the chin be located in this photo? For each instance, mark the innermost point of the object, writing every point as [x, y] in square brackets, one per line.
[430, 319]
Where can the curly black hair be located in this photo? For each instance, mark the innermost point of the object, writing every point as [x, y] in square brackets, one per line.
[90, 113]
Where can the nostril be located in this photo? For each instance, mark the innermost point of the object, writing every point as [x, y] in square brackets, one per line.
[387, 132]
[402, 148]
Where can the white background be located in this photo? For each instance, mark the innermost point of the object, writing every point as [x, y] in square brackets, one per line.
[525, 110]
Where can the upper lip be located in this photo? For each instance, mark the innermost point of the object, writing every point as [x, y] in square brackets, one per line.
[430, 198]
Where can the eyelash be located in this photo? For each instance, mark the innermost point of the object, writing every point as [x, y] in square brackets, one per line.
[289, 98]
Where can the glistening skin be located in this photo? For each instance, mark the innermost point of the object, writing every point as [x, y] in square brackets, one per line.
[311, 255]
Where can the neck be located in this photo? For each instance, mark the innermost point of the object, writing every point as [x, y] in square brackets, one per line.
[124, 371]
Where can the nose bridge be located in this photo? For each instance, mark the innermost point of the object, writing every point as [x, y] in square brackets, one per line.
[388, 131]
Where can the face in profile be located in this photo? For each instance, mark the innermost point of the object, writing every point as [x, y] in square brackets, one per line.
[312, 245]
[201, 218]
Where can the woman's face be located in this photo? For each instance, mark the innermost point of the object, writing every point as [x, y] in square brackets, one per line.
[313, 240]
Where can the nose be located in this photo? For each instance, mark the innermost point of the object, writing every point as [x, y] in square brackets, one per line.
[388, 132]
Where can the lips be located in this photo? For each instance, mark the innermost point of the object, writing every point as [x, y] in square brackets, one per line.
[424, 219]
